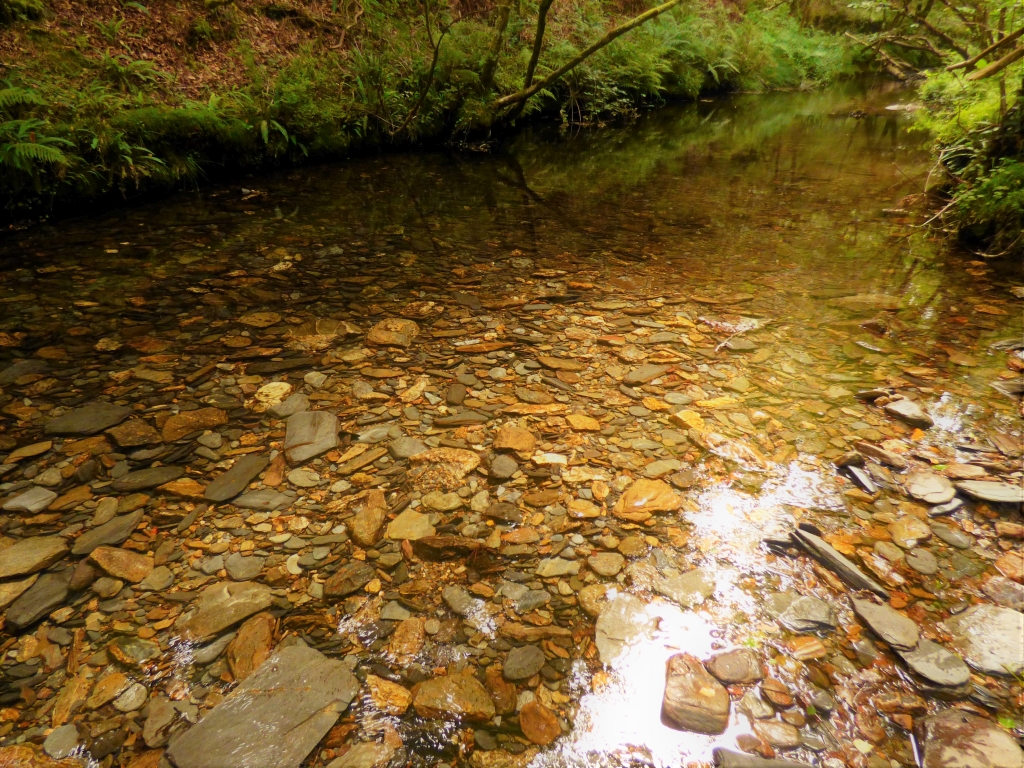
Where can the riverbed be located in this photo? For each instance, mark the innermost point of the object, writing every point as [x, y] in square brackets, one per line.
[602, 446]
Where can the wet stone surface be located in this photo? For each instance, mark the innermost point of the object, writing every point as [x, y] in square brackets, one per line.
[560, 465]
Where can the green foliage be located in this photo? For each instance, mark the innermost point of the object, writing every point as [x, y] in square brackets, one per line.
[991, 207]
[21, 10]
[130, 75]
[107, 122]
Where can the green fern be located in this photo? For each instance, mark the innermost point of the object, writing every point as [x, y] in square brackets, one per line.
[19, 97]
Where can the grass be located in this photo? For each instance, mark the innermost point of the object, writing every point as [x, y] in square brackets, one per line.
[103, 102]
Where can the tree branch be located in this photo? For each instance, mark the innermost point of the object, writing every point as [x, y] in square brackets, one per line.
[969, 64]
[998, 66]
[525, 93]
[942, 36]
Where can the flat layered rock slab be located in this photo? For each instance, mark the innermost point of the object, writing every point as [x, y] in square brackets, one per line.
[228, 485]
[991, 490]
[88, 420]
[221, 605]
[990, 638]
[114, 531]
[309, 434]
[31, 501]
[30, 555]
[889, 624]
[937, 665]
[274, 719]
[48, 593]
[142, 479]
[958, 739]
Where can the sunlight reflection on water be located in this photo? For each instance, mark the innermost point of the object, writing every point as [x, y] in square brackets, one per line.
[618, 722]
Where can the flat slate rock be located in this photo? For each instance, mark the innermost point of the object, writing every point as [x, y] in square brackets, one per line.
[274, 719]
[30, 555]
[228, 485]
[910, 412]
[958, 739]
[349, 578]
[20, 368]
[31, 501]
[991, 638]
[726, 758]
[47, 594]
[263, 500]
[309, 434]
[150, 477]
[645, 373]
[801, 613]
[242, 568]
[888, 623]
[88, 420]
[990, 490]
[112, 532]
[623, 623]
[937, 665]
[222, 605]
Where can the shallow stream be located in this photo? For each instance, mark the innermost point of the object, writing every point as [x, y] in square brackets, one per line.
[570, 386]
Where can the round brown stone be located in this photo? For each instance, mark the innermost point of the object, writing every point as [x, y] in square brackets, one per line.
[539, 723]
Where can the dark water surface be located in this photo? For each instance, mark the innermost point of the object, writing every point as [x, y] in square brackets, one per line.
[765, 250]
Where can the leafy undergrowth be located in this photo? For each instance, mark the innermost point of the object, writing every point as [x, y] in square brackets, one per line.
[114, 99]
[980, 165]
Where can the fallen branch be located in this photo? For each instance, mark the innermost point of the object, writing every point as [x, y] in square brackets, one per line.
[544, 82]
[984, 54]
[998, 66]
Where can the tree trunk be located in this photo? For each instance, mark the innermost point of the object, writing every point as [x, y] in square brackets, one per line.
[504, 8]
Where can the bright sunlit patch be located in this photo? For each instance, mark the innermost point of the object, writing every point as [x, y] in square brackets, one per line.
[618, 722]
[619, 718]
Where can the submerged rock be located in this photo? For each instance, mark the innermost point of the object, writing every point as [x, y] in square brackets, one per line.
[88, 420]
[222, 605]
[991, 638]
[295, 696]
[693, 699]
[958, 739]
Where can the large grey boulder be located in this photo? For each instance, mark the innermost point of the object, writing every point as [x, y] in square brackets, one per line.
[273, 719]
